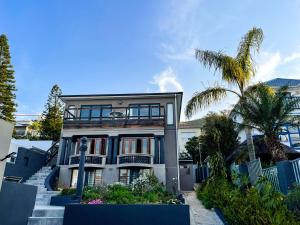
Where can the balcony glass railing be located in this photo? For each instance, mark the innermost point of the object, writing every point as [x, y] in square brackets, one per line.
[89, 159]
[135, 159]
[107, 113]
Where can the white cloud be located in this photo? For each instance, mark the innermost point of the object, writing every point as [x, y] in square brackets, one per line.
[270, 64]
[180, 28]
[167, 81]
[292, 57]
[267, 66]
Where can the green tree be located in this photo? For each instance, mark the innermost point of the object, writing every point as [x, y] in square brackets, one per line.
[52, 117]
[268, 111]
[220, 135]
[236, 71]
[7, 82]
[193, 149]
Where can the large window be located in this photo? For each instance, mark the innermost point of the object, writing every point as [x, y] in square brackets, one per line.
[170, 114]
[96, 146]
[137, 145]
[95, 112]
[127, 176]
[74, 177]
[94, 177]
[144, 111]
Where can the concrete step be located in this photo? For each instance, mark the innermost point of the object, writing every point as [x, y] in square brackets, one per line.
[45, 221]
[48, 211]
[42, 201]
[49, 192]
[46, 195]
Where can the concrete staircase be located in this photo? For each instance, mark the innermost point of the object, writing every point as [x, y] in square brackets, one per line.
[43, 213]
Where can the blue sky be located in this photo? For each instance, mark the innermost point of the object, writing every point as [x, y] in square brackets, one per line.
[140, 46]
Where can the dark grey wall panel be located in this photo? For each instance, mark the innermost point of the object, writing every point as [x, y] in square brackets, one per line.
[16, 203]
[36, 160]
[79, 214]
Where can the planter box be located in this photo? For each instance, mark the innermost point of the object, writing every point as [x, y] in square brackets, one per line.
[78, 214]
[62, 200]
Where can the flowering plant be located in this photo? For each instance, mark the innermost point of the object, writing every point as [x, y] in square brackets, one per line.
[95, 202]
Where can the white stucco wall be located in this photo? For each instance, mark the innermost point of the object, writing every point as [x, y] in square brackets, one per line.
[6, 130]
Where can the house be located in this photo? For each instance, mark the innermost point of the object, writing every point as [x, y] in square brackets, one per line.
[128, 135]
[187, 130]
[290, 134]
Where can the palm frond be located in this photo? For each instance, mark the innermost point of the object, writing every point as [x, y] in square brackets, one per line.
[251, 41]
[206, 98]
[228, 66]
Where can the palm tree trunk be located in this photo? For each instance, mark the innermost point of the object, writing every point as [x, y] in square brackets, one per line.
[250, 144]
[275, 148]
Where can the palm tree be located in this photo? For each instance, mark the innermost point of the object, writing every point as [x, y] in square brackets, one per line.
[236, 71]
[268, 111]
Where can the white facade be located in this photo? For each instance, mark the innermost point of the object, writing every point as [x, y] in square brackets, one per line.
[186, 131]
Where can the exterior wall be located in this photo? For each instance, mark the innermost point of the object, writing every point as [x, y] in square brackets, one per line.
[6, 130]
[110, 174]
[36, 160]
[64, 180]
[160, 172]
[16, 203]
[165, 157]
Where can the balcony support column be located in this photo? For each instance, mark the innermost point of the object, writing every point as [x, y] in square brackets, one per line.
[110, 150]
[115, 149]
[68, 151]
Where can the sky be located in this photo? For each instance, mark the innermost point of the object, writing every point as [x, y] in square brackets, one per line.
[103, 47]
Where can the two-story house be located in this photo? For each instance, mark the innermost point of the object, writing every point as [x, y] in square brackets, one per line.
[290, 134]
[128, 135]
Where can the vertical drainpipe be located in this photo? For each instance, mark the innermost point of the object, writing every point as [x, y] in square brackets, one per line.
[177, 152]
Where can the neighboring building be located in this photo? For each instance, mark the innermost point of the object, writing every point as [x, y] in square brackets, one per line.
[128, 134]
[291, 133]
[187, 130]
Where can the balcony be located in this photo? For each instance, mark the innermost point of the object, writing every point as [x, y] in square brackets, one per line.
[143, 160]
[90, 160]
[99, 116]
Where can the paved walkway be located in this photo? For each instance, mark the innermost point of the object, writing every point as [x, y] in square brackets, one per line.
[198, 214]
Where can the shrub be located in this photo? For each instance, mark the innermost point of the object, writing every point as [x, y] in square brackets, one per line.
[119, 194]
[293, 201]
[68, 191]
[251, 206]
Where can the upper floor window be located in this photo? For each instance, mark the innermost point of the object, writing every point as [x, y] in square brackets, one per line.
[95, 112]
[97, 146]
[138, 145]
[144, 111]
[170, 113]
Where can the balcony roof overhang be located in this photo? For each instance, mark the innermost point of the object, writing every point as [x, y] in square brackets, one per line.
[114, 96]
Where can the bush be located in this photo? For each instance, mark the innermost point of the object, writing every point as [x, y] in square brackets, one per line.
[251, 206]
[145, 189]
[293, 201]
[68, 191]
